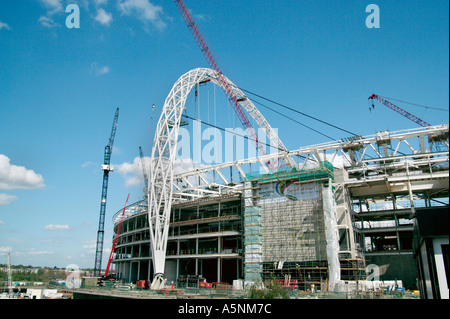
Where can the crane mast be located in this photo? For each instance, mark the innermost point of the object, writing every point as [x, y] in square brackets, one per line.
[399, 110]
[106, 167]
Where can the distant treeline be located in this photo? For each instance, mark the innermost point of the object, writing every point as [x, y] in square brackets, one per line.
[34, 274]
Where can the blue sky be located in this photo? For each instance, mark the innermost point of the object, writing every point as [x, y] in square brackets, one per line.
[59, 89]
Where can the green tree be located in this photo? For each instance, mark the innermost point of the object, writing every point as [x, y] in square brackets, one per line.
[273, 290]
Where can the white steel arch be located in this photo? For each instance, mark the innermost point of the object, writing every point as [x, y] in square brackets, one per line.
[160, 186]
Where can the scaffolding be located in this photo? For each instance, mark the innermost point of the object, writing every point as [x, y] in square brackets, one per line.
[290, 229]
[293, 240]
[252, 236]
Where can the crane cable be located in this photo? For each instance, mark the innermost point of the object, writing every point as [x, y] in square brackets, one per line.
[424, 106]
[299, 112]
[151, 118]
[284, 115]
[228, 131]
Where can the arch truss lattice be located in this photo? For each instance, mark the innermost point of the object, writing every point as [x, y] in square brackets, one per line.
[160, 189]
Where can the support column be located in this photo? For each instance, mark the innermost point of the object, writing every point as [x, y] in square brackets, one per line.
[219, 277]
[411, 198]
[397, 234]
[196, 266]
[138, 273]
[196, 253]
[129, 272]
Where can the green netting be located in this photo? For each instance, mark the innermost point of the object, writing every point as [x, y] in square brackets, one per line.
[324, 170]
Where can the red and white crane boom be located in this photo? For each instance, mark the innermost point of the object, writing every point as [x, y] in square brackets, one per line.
[399, 110]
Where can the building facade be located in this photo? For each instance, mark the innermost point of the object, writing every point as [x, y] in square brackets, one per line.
[287, 225]
[317, 223]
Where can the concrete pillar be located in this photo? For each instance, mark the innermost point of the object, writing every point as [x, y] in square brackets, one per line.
[130, 264]
[138, 273]
[196, 259]
[196, 266]
[411, 198]
[219, 278]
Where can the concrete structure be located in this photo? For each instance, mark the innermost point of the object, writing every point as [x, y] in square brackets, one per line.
[33, 293]
[205, 238]
[317, 218]
[294, 231]
[252, 231]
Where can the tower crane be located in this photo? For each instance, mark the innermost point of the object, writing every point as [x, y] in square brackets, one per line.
[228, 90]
[106, 167]
[399, 110]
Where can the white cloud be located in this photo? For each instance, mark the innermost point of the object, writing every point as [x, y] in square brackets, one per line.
[2, 222]
[88, 163]
[98, 70]
[33, 251]
[144, 10]
[100, 2]
[7, 199]
[5, 249]
[198, 16]
[92, 246]
[132, 172]
[103, 17]
[4, 25]
[53, 6]
[18, 177]
[103, 70]
[134, 175]
[185, 165]
[47, 22]
[57, 227]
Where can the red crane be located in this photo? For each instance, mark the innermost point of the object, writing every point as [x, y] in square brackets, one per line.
[213, 65]
[116, 238]
[399, 110]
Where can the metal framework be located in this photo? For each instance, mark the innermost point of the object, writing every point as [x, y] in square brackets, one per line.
[106, 167]
[399, 110]
[367, 157]
[397, 160]
[160, 188]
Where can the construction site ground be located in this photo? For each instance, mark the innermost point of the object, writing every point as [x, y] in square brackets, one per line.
[205, 293]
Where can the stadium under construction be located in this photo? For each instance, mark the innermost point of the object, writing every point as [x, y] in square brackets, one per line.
[320, 217]
[337, 216]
